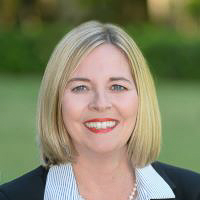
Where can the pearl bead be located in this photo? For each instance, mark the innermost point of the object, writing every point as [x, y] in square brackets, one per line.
[131, 196]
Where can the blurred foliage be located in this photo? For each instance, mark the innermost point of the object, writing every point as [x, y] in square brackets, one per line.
[25, 51]
[30, 29]
[193, 7]
[116, 11]
[169, 54]
[19, 12]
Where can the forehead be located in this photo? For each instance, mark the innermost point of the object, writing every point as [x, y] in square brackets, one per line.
[104, 60]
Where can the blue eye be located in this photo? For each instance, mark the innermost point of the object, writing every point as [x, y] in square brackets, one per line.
[80, 88]
[118, 87]
[83, 88]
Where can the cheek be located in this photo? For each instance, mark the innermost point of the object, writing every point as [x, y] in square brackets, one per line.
[129, 107]
[71, 112]
[129, 110]
[72, 107]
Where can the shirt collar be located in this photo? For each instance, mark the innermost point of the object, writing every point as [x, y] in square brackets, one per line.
[61, 184]
[152, 185]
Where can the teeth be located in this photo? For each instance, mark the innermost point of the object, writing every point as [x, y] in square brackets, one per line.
[101, 125]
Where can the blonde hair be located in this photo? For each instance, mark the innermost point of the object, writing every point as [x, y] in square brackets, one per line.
[55, 143]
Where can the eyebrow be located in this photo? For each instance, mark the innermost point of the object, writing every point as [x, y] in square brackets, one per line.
[88, 80]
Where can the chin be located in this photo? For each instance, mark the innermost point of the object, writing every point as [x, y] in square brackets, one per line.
[106, 148]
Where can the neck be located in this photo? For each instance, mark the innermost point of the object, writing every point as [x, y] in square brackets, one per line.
[104, 169]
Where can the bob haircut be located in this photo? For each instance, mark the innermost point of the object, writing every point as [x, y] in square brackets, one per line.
[55, 143]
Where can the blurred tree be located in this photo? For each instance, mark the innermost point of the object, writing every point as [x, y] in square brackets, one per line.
[48, 10]
[193, 7]
[72, 12]
[16, 12]
[8, 10]
[27, 12]
[117, 11]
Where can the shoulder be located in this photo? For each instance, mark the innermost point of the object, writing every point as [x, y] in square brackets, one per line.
[29, 186]
[177, 173]
[185, 182]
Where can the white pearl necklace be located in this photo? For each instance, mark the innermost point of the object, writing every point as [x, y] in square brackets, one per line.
[131, 196]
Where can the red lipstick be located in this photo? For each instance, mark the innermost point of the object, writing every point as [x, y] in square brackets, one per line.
[103, 130]
[101, 120]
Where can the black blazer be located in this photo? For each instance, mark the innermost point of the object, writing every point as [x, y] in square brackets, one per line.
[184, 183]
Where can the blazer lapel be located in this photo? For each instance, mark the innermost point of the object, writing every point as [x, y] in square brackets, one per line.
[41, 183]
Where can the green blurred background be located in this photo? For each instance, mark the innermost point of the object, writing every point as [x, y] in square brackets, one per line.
[167, 31]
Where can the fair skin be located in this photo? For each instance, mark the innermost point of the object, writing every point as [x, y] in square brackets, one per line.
[108, 90]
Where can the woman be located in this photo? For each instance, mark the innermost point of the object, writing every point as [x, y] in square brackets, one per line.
[99, 126]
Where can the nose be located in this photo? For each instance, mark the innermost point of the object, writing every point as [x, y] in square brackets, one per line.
[100, 102]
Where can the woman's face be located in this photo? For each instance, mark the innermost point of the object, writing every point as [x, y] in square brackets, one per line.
[100, 102]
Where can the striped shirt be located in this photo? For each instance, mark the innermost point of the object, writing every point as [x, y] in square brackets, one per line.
[61, 184]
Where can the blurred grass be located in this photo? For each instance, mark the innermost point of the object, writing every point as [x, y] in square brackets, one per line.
[18, 149]
[180, 109]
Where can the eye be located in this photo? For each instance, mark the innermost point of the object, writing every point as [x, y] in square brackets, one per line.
[80, 88]
[118, 87]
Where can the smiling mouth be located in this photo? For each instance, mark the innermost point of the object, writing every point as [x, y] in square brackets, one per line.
[101, 127]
